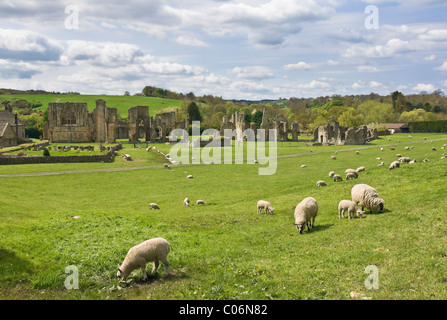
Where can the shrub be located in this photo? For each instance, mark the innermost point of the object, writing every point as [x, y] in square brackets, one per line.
[46, 152]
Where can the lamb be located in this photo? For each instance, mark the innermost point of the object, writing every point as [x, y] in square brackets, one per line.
[154, 206]
[350, 207]
[152, 250]
[366, 196]
[200, 202]
[266, 206]
[186, 202]
[305, 214]
[394, 165]
[350, 176]
[337, 178]
[321, 184]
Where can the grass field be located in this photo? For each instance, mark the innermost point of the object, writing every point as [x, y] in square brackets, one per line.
[122, 103]
[225, 250]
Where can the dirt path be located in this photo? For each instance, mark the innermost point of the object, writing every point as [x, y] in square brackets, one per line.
[51, 173]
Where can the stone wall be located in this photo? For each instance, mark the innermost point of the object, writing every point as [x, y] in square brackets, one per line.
[108, 157]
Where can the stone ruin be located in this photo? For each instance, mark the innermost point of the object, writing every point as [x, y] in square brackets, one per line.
[279, 123]
[334, 134]
[72, 122]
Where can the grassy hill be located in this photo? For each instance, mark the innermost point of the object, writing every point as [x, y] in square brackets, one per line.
[122, 103]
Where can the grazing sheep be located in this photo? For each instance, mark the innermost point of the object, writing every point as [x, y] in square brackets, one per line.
[154, 206]
[331, 174]
[399, 155]
[266, 206]
[186, 202]
[381, 149]
[354, 172]
[350, 207]
[381, 164]
[333, 158]
[392, 148]
[321, 184]
[379, 158]
[394, 165]
[305, 214]
[153, 250]
[350, 175]
[433, 149]
[148, 149]
[367, 197]
[360, 169]
[404, 160]
[190, 176]
[166, 166]
[337, 178]
[303, 166]
[357, 152]
[412, 161]
[425, 160]
[407, 148]
[200, 202]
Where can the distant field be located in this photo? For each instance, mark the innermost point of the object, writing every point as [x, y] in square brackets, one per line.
[225, 250]
[122, 103]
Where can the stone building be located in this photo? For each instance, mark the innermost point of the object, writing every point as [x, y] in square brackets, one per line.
[279, 123]
[334, 134]
[72, 122]
[12, 129]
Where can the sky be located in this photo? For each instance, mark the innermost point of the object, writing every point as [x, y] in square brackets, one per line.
[235, 49]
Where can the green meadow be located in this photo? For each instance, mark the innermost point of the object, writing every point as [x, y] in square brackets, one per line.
[90, 214]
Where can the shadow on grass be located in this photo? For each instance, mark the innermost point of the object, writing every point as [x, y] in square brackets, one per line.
[12, 266]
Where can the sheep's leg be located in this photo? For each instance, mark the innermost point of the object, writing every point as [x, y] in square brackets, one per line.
[313, 222]
[166, 264]
[155, 267]
[143, 269]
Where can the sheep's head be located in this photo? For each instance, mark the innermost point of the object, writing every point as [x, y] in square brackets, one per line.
[119, 273]
[300, 227]
[360, 213]
[271, 210]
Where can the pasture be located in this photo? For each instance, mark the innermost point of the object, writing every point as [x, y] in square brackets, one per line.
[224, 249]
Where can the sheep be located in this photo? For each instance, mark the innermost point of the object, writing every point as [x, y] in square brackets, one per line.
[186, 202]
[398, 155]
[354, 172]
[433, 149]
[425, 160]
[190, 176]
[404, 160]
[381, 164]
[350, 207]
[394, 165]
[357, 152]
[321, 184]
[337, 178]
[350, 176]
[392, 148]
[154, 206]
[333, 158]
[367, 197]
[305, 214]
[379, 159]
[413, 161]
[360, 169]
[303, 166]
[381, 149]
[166, 166]
[407, 148]
[266, 206]
[331, 174]
[200, 202]
[152, 250]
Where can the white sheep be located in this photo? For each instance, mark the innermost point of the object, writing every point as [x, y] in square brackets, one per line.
[413, 161]
[350, 175]
[337, 178]
[305, 214]
[354, 172]
[381, 164]
[153, 250]
[360, 169]
[379, 159]
[434, 149]
[392, 148]
[425, 160]
[200, 202]
[333, 158]
[404, 159]
[186, 202]
[331, 174]
[367, 197]
[189, 176]
[350, 207]
[381, 149]
[303, 166]
[394, 165]
[266, 206]
[357, 152]
[399, 155]
[154, 206]
[321, 184]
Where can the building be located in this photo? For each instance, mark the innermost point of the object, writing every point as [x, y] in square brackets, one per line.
[396, 127]
[12, 129]
[334, 134]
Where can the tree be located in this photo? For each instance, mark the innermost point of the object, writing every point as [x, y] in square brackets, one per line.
[417, 115]
[257, 118]
[351, 118]
[377, 112]
[194, 112]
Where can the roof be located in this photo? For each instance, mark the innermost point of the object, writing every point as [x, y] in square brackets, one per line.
[8, 117]
[3, 127]
[394, 125]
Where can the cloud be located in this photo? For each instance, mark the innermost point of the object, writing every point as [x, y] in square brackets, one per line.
[315, 84]
[390, 49]
[443, 67]
[18, 69]
[298, 66]
[28, 46]
[424, 87]
[367, 69]
[252, 72]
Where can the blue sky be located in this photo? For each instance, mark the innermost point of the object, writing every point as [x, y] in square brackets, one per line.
[237, 49]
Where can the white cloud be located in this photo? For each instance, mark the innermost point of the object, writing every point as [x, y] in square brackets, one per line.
[315, 84]
[298, 66]
[252, 72]
[390, 49]
[367, 69]
[431, 57]
[424, 87]
[443, 67]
